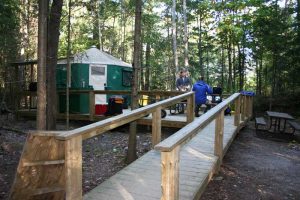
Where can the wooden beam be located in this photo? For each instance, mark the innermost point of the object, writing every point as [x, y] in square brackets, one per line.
[170, 174]
[73, 168]
[219, 132]
[164, 123]
[34, 172]
[247, 111]
[119, 120]
[183, 135]
[156, 126]
[237, 114]
[92, 105]
[244, 105]
[190, 108]
[251, 107]
[157, 97]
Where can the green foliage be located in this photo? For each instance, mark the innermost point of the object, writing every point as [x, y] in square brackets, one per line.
[239, 44]
[9, 35]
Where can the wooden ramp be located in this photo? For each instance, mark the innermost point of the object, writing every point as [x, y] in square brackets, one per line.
[142, 179]
[179, 167]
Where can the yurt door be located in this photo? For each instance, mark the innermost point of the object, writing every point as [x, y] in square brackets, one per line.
[98, 74]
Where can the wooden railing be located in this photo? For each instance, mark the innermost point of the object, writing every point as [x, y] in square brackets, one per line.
[170, 147]
[62, 150]
[71, 154]
[28, 97]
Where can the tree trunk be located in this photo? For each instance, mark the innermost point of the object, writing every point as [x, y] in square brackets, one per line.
[185, 39]
[99, 25]
[229, 84]
[52, 49]
[131, 155]
[207, 65]
[141, 79]
[243, 74]
[175, 56]
[260, 75]
[240, 68]
[112, 37]
[147, 66]
[42, 61]
[274, 76]
[223, 65]
[68, 84]
[200, 48]
[257, 75]
[234, 68]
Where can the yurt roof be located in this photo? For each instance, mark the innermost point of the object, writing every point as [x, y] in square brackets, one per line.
[95, 56]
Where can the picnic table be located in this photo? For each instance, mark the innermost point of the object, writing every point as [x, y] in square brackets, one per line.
[277, 117]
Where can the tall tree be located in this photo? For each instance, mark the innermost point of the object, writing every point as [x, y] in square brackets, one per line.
[42, 62]
[131, 156]
[174, 36]
[52, 49]
[185, 38]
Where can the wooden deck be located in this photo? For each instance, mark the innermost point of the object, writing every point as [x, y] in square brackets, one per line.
[142, 178]
[175, 121]
[179, 167]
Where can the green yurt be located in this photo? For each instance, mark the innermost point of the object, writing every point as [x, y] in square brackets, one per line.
[92, 69]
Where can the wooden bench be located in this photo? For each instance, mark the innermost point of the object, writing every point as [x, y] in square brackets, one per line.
[295, 125]
[260, 121]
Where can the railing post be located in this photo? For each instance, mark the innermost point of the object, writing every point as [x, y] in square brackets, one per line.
[156, 126]
[244, 106]
[157, 98]
[190, 108]
[170, 174]
[219, 132]
[73, 168]
[251, 106]
[237, 115]
[248, 107]
[92, 105]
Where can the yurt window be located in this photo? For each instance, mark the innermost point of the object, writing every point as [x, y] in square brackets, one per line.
[126, 78]
[100, 71]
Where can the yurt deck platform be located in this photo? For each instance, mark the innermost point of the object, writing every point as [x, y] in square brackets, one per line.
[171, 120]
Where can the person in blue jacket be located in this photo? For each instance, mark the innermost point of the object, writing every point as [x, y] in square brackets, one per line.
[201, 90]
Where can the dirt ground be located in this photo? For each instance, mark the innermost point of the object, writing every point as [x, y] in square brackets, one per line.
[256, 166]
[103, 156]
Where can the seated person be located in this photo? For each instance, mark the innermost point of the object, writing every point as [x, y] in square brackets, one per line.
[201, 90]
[183, 83]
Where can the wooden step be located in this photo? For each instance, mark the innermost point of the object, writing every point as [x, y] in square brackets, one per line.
[46, 190]
[45, 162]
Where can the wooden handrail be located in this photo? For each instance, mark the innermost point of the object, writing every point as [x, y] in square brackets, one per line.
[67, 145]
[170, 147]
[113, 122]
[120, 92]
[188, 131]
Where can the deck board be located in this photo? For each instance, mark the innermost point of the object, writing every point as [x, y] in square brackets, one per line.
[142, 179]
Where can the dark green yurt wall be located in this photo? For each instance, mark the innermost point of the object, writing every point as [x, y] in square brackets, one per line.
[79, 103]
[119, 78]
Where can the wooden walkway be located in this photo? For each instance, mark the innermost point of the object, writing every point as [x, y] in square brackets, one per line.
[142, 179]
[179, 167]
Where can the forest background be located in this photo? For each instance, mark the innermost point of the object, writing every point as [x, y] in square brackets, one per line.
[238, 44]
